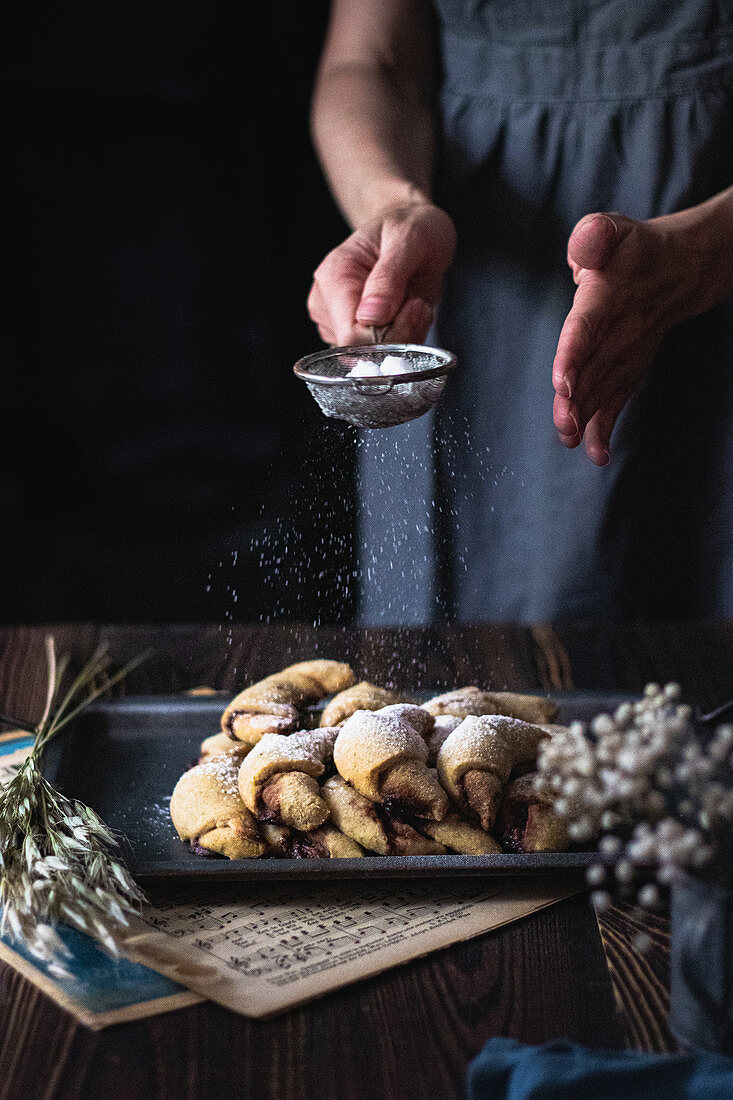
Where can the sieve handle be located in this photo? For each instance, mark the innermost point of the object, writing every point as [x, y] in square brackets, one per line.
[378, 334]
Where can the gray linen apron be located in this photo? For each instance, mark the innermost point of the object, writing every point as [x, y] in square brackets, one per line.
[552, 109]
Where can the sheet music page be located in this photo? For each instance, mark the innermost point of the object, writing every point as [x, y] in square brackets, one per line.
[261, 950]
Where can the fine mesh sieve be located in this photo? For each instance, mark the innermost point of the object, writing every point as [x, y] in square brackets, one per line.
[381, 401]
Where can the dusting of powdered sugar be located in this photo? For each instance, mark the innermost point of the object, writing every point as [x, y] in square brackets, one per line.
[444, 726]
[224, 770]
[420, 719]
[377, 736]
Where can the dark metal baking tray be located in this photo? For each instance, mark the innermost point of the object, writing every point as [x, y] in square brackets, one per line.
[124, 757]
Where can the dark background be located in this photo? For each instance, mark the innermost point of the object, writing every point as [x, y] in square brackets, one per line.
[158, 459]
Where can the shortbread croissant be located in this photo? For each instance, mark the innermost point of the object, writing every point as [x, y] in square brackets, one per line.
[476, 760]
[274, 704]
[471, 700]
[221, 744]
[337, 843]
[371, 826]
[278, 778]
[527, 821]
[421, 720]
[460, 835]
[361, 696]
[325, 842]
[384, 758]
[207, 810]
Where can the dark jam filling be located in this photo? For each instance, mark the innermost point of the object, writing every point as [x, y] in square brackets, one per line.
[300, 846]
[514, 826]
[199, 849]
[264, 813]
[402, 807]
[230, 724]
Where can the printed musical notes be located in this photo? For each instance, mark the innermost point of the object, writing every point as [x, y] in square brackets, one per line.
[267, 950]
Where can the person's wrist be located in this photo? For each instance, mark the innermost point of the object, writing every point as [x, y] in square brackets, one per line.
[391, 196]
[702, 240]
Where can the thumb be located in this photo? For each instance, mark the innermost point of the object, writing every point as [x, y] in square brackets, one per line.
[385, 289]
[595, 238]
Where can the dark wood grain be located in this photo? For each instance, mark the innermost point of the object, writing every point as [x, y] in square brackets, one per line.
[412, 1030]
[637, 945]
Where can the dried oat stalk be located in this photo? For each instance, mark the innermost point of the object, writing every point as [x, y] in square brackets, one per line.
[58, 860]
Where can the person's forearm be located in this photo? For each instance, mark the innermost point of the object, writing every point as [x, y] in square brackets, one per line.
[372, 124]
[707, 231]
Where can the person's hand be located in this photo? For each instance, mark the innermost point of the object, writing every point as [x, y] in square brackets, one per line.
[635, 281]
[388, 272]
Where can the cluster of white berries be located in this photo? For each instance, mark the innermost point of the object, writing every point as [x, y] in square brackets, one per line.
[642, 780]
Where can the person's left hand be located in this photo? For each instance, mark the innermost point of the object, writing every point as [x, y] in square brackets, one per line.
[635, 281]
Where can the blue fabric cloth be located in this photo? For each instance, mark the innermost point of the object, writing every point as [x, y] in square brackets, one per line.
[550, 110]
[507, 1070]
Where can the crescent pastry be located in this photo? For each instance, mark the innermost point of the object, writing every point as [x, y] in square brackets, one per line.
[369, 825]
[471, 700]
[278, 778]
[443, 724]
[273, 705]
[207, 810]
[276, 837]
[476, 760]
[325, 842]
[384, 758]
[527, 821]
[221, 744]
[338, 844]
[420, 719]
[461, 835]
[361, 696]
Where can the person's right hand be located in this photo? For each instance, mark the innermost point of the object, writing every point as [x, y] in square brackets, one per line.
[388, 272]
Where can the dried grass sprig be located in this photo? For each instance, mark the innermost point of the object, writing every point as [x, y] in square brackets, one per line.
[58, 860]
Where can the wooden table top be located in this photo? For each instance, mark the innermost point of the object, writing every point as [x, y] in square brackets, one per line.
[411, 1031]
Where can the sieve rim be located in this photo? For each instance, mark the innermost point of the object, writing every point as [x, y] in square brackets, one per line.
[301, 368]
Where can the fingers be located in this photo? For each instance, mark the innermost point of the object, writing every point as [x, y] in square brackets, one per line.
[355, 288]
[333, 299]
[594, 240]
[411, 324]
[607, 374]
[566, 422]
[583, 330]
[385, 289]
[389, 272]
[598, 433]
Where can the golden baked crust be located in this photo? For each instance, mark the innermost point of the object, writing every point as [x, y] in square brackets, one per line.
[461, 835]
[207, 810]
[384, 758]
[473, 701]
[475, 761]
[295, 800]
[259, 790]
[371, 826]
[339, 845]
[527, 821]
[361, 696]
[273, 705]
[221, 744]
